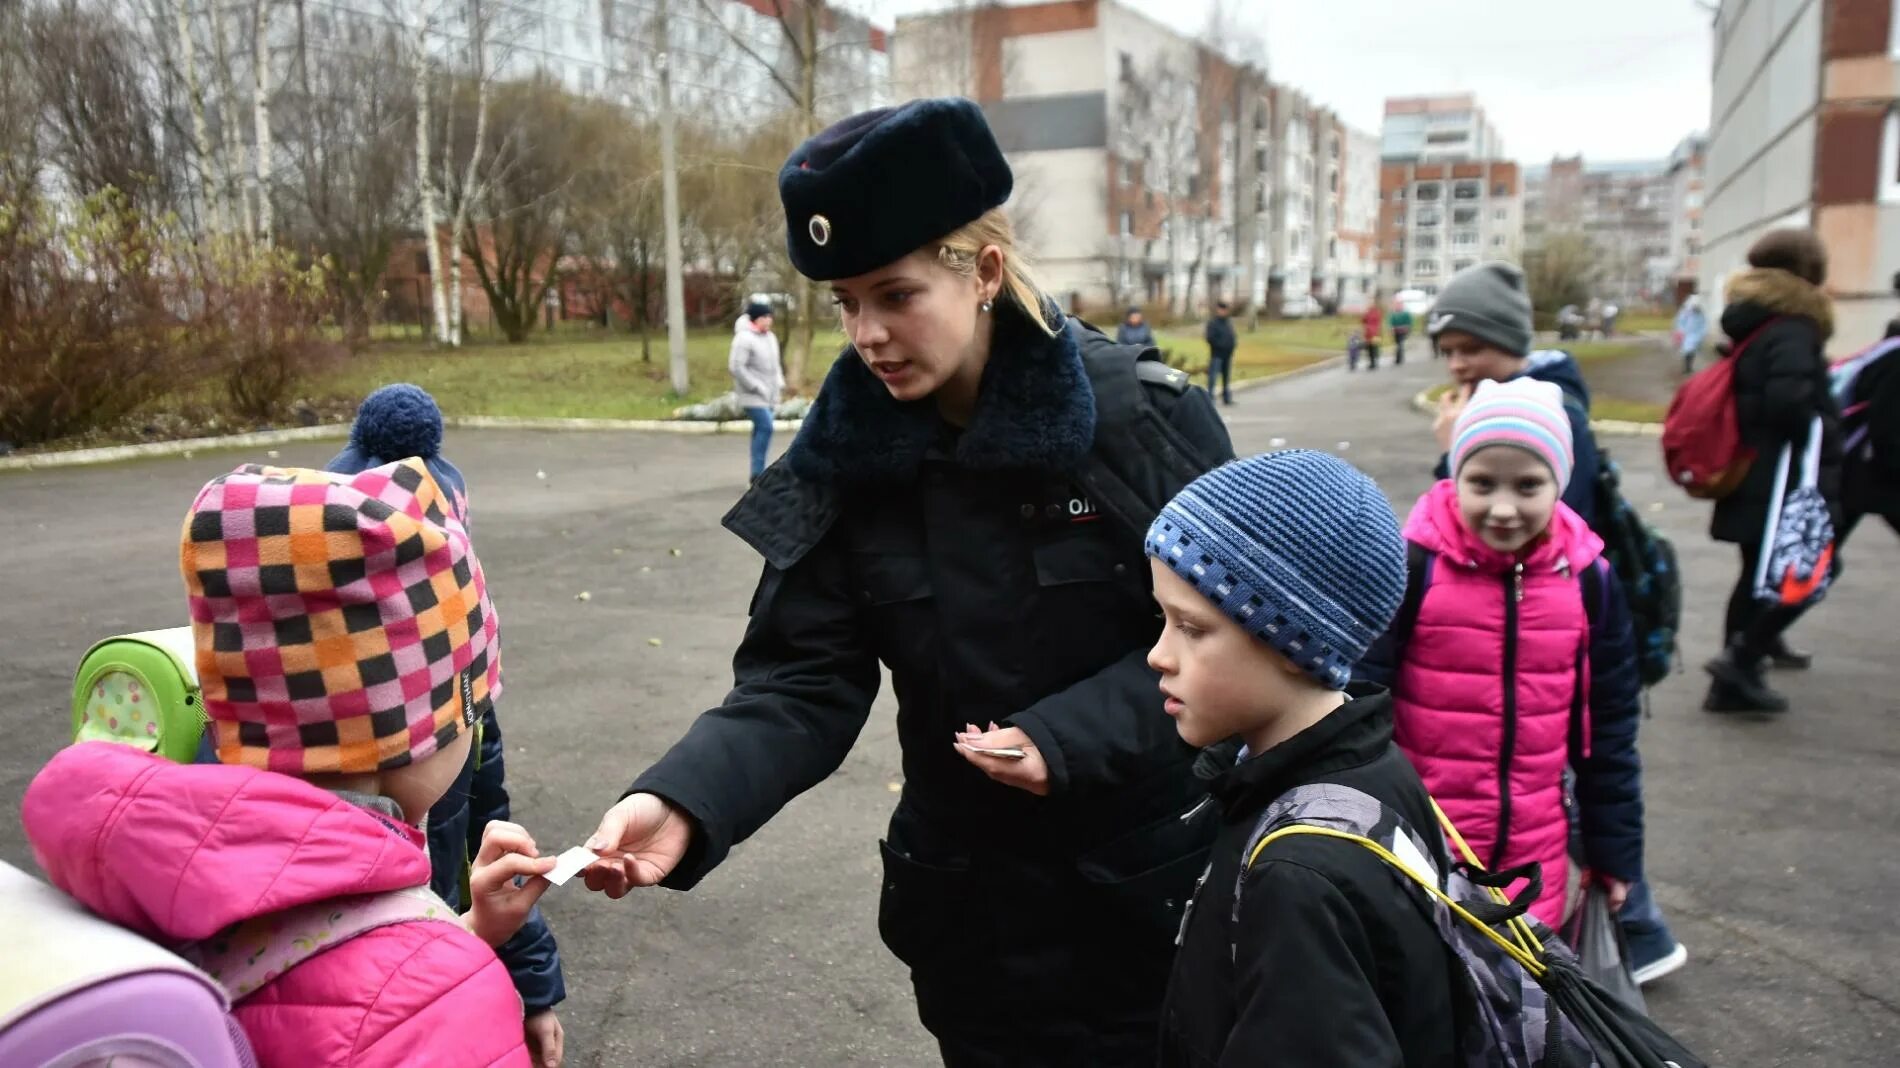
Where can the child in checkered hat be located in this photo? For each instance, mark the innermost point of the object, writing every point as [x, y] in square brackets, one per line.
[392, 423]
[346, 648]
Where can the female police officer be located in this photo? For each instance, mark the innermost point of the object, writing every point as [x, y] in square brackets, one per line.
[965, 503]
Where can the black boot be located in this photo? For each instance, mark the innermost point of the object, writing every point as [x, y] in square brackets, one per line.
[1739, 686]
[1782, 658]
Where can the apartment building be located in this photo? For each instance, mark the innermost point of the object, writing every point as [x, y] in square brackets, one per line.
[1628, 211]
[1687, 167]
[1142, 157]
[1436, 129]
[1804, 132]
[1436, 219]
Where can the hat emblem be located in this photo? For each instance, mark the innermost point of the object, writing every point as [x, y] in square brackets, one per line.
[820, 229]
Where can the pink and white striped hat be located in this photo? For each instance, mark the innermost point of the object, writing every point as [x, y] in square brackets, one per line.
[1524, 413]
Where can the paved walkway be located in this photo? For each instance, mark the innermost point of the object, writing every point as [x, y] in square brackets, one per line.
[1774, 846]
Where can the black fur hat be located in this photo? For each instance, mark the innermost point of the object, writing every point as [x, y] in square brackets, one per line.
[880, 185]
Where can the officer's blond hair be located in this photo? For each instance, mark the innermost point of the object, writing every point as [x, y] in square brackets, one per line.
[960, 250]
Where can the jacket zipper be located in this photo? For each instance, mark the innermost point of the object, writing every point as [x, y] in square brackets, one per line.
[1513, 593]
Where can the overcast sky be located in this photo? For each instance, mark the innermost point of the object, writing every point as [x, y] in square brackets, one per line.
[1613, 79]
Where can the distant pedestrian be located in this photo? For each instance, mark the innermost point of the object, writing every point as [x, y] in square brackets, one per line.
[1220, 352]
[1692, 328]
[1781, 387]
[1355, 344]
[1401, 322]
[758, 380]
[1134, 329]
[1610, 312]
[1593, 317]
[1372, 323]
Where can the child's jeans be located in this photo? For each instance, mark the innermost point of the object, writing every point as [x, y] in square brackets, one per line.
[1643, 925]
[761, 437]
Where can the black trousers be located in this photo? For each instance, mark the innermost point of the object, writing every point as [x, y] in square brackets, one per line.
[1758, 624]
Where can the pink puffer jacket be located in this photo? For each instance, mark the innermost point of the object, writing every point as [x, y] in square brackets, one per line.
[1491, 681]
[179, 852]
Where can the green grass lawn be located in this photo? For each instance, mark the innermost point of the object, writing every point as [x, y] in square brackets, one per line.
[571, 374]
[597, 375]
[1280, 345]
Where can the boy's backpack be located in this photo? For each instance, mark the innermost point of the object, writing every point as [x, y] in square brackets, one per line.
[141, 690]
[99, 994]
[1644, 563]
[1856, 404]
[1525, 1002]
[1702, 436]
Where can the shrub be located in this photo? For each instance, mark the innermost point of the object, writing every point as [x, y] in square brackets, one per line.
[87, 325]
[261, 325]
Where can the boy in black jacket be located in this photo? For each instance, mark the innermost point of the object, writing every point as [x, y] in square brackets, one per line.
[1275, 573]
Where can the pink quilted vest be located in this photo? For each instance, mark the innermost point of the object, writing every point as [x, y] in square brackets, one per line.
[1490, 681]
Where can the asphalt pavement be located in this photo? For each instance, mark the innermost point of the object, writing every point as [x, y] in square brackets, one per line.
[1773, 845]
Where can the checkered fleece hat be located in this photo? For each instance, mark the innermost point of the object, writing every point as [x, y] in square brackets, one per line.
[342, 621]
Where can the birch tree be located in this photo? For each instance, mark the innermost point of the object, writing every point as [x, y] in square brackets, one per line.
[260, 113]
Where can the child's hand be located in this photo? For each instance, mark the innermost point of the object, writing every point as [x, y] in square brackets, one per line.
[546, 1040]
[496, 906]
[1451, 404]
[1030, 773]
[1617, 889]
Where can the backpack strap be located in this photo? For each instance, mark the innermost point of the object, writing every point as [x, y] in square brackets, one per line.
[245, 957]
[1419, 564]
[1518, 947]
[1138, 461]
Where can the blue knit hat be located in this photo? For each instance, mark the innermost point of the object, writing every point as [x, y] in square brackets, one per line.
[394, 423]
[1299, 547]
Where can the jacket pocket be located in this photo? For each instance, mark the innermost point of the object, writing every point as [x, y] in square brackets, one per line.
[1082, 558]
[1142, 881]
[922, 906]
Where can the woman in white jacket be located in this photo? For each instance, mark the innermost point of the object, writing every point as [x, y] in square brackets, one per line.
[757, 378]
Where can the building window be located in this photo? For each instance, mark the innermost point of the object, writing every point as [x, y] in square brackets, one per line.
[1429, 217]
[1426, 243]
[1332, 248]
[1127, 223]
[1425, 268]
[1398, 219]
[1462, 265]
[1428, 191]
[1501, 215]
[1464, 216]
[1399, 194]
[1890, 154]
[1501, 190]
[1128, 67]
[1497, 241]
[1467, 190]
[1332, 181]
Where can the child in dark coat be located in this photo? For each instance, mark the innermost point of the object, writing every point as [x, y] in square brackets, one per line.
[394, 423]
[1274, 574]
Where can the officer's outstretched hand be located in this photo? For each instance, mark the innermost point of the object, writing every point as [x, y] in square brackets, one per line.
[1027, 772]
[640, 841]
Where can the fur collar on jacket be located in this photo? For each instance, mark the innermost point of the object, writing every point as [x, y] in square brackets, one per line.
[1781, 293]
[1035, 411]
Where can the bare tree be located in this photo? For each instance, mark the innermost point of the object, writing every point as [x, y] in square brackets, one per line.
[260, 113]
[551, 144]
[348, 194]
[815, 76]
[102, 120]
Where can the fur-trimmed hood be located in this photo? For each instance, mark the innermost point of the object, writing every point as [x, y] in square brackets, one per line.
[1761, 293]
[1035, 411]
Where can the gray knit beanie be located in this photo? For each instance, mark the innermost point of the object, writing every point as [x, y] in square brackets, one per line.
[1300, 548]
[1490, 303]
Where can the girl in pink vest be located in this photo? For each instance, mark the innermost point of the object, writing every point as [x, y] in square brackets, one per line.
[1513, 656]
[345, 647]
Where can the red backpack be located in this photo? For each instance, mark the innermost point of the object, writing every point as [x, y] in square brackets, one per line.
[1702, 437]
